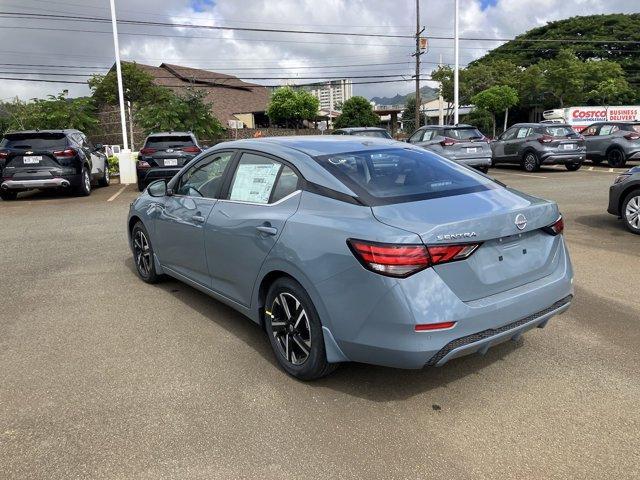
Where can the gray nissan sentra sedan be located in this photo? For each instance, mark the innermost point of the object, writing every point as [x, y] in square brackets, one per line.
[356, 249]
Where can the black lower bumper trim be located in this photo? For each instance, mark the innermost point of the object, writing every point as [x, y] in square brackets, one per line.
[475, 337]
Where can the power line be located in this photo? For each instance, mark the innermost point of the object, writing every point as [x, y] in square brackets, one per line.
[46, 16]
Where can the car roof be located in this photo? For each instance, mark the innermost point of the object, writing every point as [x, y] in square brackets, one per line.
[534, 124]
[318, 145]
[32, 132]
[361, 129]
[168, 134]
[449, 126]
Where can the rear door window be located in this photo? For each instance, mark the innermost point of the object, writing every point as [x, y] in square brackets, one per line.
[401, 175]
[35, 141]
[254, 179]
[169, 141]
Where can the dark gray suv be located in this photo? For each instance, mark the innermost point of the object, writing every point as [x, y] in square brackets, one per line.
[164, 154]
[533, 144]
[616, 142]
[463, 144]
[624, 199]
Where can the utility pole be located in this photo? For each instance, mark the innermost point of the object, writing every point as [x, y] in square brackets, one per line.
[127, 172]
[417, 55]
[440, 100]
[456, 68]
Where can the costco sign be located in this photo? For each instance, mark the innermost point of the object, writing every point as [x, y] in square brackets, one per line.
[584, 116]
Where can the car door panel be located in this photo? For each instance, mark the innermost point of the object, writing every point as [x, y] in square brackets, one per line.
[239, 234]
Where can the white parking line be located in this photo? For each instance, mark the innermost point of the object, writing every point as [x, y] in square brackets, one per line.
[524, 174]
[115, 195]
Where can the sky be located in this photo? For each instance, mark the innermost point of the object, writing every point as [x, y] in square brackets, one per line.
[71, 54]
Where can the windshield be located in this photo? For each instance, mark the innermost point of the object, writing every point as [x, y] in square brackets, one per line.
[373, 133]
[169, 141]
[35, 141]
[402, 175]
[562, 131]
[463, 133]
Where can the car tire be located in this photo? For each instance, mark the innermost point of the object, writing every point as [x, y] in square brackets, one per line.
[105, 180]
[84, 189]
[530, 162]
[616, 158]
[143, 256]
[630, 212]
[572, 167]
[140, 187]
[8, 195]
[295, 331]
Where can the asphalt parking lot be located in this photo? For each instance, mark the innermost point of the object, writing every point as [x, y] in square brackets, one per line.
[103, 376]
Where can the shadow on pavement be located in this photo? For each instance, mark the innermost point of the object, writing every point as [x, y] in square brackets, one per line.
[378, 384]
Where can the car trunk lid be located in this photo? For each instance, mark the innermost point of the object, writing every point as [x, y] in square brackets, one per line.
[507, 257]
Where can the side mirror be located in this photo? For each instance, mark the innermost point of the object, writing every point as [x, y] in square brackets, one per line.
[98, 146]
[158, 188]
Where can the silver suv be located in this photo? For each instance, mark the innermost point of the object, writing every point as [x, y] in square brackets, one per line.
[463, 144]
[533, 144]
[616, 142]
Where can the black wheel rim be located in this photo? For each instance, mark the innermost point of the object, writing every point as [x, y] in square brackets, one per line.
[290, 328]
[616, 158]
[142, 253]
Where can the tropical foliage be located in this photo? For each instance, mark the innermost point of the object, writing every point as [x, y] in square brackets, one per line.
[289, 107]
[357, 112]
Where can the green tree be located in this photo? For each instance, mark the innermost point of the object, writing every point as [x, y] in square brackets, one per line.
[495, 100]
[188, 111]
[54, 112]
[357, 112]
[409, 115]
[138, 86]
[564, 77]
[291, 107]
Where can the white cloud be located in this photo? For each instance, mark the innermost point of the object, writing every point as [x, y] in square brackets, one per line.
[238, 51]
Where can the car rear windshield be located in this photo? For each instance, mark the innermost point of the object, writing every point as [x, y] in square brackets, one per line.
[169, 141]
[373, 133]
[35, 141]
[402, 175]
[561, 131]
[463, 133]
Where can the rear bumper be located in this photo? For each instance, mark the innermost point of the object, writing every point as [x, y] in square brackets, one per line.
[382, 332]
[145, 177]
[562, 158]
[474, 162]
[56, 182]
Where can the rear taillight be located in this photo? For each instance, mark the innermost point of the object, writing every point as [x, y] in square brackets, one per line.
[556, 228]
[148, 151]
[429, 327]
[545, 139]
[447, 142]
[67, 153]
[402, 260]
[3, 154]
[632, 136]
[193, 149]
[142, 165]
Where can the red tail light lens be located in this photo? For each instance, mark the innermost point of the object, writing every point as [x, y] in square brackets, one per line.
[545, 139]
[4, 154]
[142, 165]
[67, 153]
[556, 228]
[147, 151]
[447, 142]
[402, 260]
[632, 136]
[193, 149]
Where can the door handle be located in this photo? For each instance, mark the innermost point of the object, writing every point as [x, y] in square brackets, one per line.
[267, 230]
[197, 218]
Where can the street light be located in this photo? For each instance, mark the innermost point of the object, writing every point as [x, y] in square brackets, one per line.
[456, 61]
[127, 172]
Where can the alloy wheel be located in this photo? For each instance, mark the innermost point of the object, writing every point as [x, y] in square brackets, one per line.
[616, 158]
[632, 212]
[107, 175]
[142, 253]
[291, 328]
[530, 162]
[87, 182]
